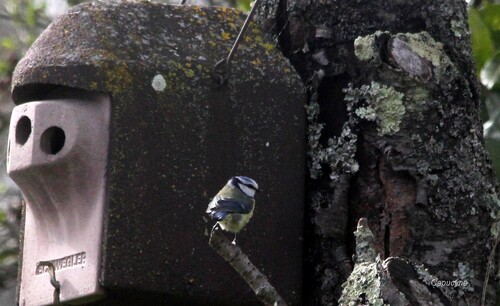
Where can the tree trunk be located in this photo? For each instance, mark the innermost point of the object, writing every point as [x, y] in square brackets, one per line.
[395, 137]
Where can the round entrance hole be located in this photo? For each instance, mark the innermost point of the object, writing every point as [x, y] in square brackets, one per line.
[52, 140]
[23, 130]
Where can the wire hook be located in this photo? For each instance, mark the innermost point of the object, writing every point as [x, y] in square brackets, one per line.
[220, 72]
[53, 281]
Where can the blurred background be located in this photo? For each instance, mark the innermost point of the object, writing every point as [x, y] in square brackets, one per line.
[21, 21]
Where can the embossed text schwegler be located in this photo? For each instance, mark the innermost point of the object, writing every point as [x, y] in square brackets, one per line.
[70, 261]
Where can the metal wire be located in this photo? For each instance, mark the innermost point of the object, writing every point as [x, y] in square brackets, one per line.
[53, 280]
[220, 71]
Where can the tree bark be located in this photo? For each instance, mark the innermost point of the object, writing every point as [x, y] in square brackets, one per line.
[394, 136]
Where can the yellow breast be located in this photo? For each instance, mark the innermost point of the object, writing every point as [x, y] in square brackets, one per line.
[235, 222]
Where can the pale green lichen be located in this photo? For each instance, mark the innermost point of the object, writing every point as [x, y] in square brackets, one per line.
[384, 105]
[366, 47]
[367, 113]
[424, 275]
[425, 46]
[316, 152]
[365, 244]
[363, 285]
[363, 47]
[419, 95]
[339, 152]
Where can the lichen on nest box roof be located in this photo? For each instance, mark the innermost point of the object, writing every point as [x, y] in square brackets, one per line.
[114, 46]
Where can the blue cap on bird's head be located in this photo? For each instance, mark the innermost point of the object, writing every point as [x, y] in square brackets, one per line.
[245, 184]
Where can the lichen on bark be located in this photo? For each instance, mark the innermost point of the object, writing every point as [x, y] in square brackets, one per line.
[424, 182]
[365, 282]
[382, 104]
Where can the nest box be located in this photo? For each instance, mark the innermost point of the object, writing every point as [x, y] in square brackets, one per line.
[120, 139]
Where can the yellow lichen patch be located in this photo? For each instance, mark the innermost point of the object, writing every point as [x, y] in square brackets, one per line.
[269, 47]
[100, 55]
[226, 35]
[171, 75]
[256, 62]
[189, 73]
[93, 85]
[118, 78]
[171, 81]
[174, 64]
[227, 14]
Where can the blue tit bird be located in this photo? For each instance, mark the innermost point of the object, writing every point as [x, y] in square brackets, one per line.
[232, 207]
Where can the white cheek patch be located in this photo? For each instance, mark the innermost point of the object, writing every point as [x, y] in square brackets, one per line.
[248, 191]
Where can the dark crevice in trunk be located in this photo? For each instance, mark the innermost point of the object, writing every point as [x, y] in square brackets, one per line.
[333, 111]
[387, 240]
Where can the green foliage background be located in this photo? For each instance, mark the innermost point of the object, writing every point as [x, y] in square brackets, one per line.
[484, 21]
[20, 23]
[23, 20]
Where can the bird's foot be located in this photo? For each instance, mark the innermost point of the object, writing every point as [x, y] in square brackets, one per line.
[213, 229]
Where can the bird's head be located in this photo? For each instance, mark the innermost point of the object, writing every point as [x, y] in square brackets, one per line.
[245, 184]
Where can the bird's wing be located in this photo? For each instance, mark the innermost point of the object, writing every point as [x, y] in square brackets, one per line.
[219, 208]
